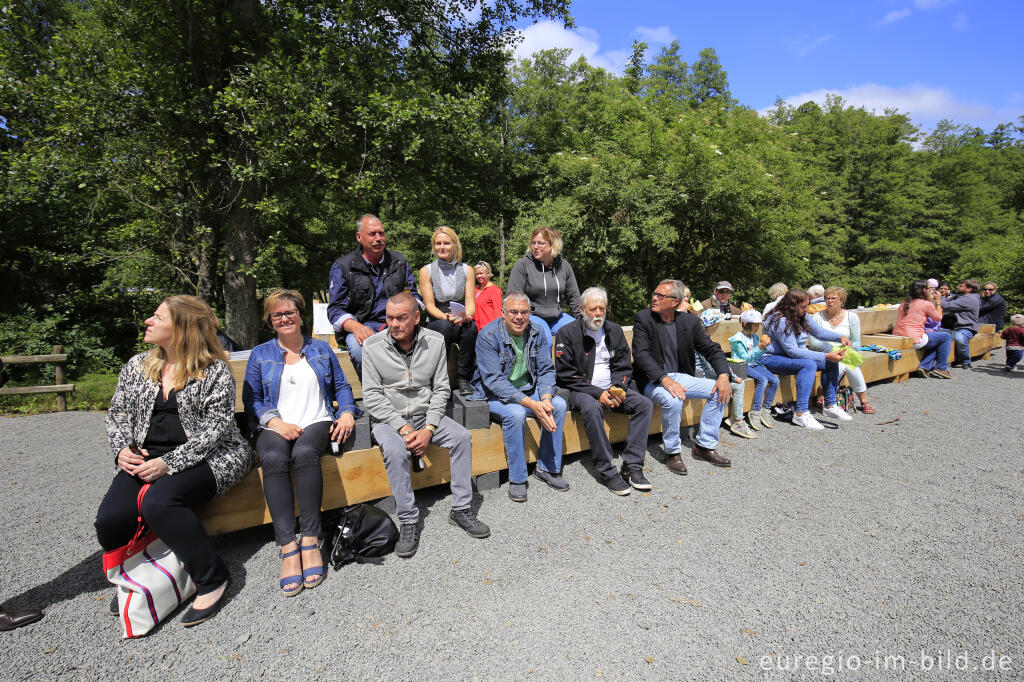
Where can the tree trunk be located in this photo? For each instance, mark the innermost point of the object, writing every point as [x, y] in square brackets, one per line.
[242, 313]
[501, 241]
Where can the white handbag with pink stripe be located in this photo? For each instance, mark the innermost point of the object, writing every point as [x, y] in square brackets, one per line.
[151, 582]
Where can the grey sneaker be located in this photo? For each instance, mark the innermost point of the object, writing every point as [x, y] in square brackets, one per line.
[766, 418]
[466, 520]
[517, 492]
[742, 430]
[408, 540]
[617, 485]
[553, 480]
[754, 420]
[115, 608]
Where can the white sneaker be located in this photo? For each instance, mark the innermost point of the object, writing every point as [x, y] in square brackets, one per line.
[741, 429]
[766, 418]
[754, 420]
[837, 413]
[807, 421]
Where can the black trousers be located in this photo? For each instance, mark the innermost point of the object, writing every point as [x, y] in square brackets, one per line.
[277, 456]
[639, 409]
[167, 508]
[465, 336]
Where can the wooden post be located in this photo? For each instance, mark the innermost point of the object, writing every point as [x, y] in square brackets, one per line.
[62, 403]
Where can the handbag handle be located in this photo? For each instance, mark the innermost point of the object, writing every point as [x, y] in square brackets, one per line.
[142, 528]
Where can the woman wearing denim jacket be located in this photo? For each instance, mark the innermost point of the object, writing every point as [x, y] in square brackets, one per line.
[788, 326]
[291, 383]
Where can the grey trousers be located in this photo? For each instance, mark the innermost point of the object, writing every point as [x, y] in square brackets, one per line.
[450, 434]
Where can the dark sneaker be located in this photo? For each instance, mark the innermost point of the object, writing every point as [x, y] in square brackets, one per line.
[408, 540]
[115, 608]
[636, 479]
[553, 480]
[464, 387]
[466, 520]
[941, 374]
[517, 492]
[617, 485]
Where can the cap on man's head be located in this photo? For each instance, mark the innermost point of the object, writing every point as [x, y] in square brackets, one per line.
[1017, 319]
[933, 283]
[750, 317]
[711, 317]
[723, 285]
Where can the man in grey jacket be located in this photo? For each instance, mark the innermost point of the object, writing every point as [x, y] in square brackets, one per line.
[963, 306]
[405, 390]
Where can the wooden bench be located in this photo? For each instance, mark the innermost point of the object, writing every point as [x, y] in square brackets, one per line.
[359, 475]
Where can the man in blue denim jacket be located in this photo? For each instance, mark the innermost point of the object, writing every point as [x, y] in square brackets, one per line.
[516, 376]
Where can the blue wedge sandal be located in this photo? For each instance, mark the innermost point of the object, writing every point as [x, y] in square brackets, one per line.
[317, 571]
[297, 579]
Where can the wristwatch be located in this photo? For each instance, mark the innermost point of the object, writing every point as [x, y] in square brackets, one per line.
[431, 428]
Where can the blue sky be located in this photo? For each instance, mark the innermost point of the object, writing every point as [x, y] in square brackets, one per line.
[932, 59]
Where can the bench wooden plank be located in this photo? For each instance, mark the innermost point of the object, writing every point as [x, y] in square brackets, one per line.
[28, 390]
[33, 359]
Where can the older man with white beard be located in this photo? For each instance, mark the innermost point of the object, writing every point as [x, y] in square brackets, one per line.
[592, 361]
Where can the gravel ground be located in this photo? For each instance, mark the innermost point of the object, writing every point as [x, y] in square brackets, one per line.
[875, 539]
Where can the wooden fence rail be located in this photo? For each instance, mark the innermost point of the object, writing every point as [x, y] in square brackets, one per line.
[58, 358]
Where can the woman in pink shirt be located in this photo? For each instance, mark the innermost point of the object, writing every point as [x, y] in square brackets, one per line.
[923, 304]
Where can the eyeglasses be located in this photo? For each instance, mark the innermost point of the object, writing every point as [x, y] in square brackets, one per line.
[540, 243]
[282, 315]
[517, 313]
[658, 297]
[988, 289]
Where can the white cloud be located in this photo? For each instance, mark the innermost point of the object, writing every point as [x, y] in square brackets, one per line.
[894, 16]
[923, 104]
[960, 23]
[662, 35]
[582, 41]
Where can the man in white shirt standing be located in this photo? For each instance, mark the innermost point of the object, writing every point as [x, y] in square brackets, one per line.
[592, 361]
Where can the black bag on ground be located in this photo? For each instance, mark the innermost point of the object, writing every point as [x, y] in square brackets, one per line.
[360, 533]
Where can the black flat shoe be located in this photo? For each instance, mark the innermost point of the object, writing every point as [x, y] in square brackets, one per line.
[115, 607]
[196, 616]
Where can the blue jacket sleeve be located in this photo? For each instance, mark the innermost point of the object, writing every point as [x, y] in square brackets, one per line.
[819, 332]
[337, 299]
[785, 342]
[342, 390]
[255, 401]
[545, 369]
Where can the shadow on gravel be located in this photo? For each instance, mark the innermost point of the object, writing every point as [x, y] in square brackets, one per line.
[998, 371]
[84, 577]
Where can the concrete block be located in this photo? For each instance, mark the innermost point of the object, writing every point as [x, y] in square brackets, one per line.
[360, 438]
[474, 413]
[387, 505]
[489, 481]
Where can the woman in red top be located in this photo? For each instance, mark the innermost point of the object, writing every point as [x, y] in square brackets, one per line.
[488, 296]
[921, 304]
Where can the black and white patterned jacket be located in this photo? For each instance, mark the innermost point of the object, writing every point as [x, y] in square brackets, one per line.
[207, 411]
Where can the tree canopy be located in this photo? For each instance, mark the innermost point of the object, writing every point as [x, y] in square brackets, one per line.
[226, 148]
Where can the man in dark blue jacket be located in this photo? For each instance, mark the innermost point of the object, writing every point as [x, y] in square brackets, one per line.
[664, 342]
[361, 282]
[993, 306]
[592, 361]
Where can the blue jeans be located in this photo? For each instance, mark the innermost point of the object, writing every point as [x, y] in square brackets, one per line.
[551, 330]
[355, 349]
[513, 427]
[962, 339]
[672, 411]
[936, 354]
[1013, 356]
[805, 370]
[763, 379]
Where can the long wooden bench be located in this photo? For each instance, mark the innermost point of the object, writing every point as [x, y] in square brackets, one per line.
[359, 475]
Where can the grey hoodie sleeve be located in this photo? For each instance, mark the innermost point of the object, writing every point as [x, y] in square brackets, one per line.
[572, 291]
[517, 278]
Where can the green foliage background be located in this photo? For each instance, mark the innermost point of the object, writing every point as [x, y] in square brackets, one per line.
[225, 148]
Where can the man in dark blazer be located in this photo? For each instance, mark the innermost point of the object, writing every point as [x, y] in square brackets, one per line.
[664, 342]
[592, 361]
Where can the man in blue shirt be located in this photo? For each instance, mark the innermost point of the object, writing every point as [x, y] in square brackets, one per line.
[361, 282]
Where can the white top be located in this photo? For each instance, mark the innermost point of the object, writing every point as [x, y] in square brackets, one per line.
[843, 328]
[602, 360]
[300, 401]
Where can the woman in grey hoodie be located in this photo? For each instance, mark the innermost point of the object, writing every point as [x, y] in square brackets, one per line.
[545, 277]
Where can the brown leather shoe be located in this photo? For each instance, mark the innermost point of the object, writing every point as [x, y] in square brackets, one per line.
[675, 464]
[15, 618]
[710, 456]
